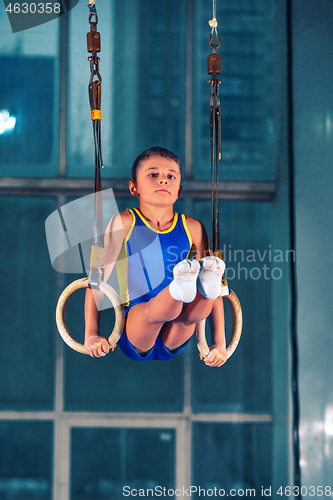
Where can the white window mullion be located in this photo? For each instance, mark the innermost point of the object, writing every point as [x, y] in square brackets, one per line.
[61, 470]
[183, 454]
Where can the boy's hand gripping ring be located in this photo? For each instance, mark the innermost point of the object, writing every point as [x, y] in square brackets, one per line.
[237, 324]
[61, 310]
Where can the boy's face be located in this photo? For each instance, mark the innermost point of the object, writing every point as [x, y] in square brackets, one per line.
[157, 181]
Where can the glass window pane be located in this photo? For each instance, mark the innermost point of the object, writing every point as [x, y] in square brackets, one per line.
[105, 460]
[27, 313]
[238, 458]
[29, 100]
[141, 65]
[115, 382]
[246, 91]
[26, 460]
[240, 385]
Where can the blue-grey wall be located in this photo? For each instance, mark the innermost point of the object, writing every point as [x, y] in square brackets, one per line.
[313, 143]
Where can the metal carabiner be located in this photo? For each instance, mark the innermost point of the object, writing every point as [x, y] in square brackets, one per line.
[91, 14]
[212, 45]
[95, 73]
[214, 90]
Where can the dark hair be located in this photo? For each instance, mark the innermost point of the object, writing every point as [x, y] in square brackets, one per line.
[154, 151]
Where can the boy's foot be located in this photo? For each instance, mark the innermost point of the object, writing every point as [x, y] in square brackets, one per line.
[184, 285]
[210, 275]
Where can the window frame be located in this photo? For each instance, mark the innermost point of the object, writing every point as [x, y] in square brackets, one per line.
[275, 192]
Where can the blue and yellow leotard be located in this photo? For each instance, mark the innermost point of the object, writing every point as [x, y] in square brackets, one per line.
[145, 267]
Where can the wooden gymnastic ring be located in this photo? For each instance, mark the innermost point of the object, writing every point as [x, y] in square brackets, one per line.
[237, 324]
[61, 310]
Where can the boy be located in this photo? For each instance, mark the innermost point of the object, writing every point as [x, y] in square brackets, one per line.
[159, 320]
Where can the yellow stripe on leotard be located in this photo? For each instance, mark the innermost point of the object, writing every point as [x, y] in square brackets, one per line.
[173, 225]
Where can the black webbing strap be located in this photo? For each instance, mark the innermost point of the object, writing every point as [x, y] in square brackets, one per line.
[214, 69]
[95, 103]
[215, 142]
[95, 94]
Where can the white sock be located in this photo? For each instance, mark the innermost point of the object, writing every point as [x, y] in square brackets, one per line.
[210, 275]
[184, 285]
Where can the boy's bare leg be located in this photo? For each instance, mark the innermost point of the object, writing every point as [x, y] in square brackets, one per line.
[144, 321]
[178, 331]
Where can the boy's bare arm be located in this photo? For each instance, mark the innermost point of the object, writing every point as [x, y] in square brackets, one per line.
[217, 315]
[218, 354]
[200, 242]
[218, 351]
[113, 240]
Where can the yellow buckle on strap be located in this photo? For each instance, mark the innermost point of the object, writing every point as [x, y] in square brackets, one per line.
[96, 114]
